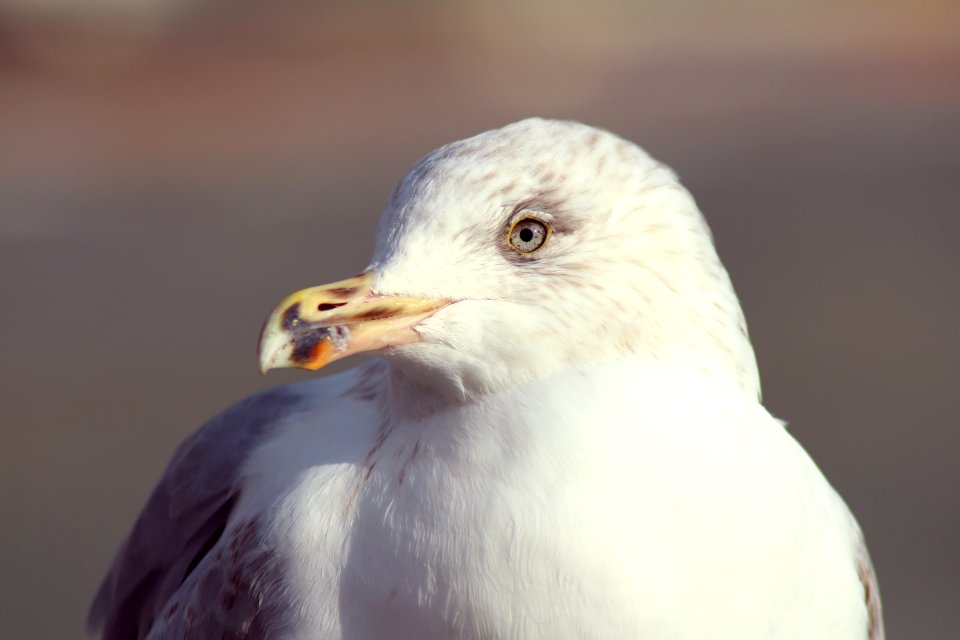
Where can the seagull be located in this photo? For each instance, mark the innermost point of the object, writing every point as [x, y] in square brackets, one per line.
[562, 436]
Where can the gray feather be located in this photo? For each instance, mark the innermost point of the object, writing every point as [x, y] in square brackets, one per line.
[178, 535]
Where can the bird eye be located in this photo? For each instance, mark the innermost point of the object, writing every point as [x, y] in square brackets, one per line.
[528, 234]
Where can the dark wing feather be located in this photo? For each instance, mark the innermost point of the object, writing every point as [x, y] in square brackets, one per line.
[184, 518]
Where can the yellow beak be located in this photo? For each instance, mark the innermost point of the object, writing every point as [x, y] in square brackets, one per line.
[316, 326]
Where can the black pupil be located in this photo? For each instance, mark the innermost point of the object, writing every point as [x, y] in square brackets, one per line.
[526, 235]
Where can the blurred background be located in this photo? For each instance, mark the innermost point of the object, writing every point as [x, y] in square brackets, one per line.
[170, 169]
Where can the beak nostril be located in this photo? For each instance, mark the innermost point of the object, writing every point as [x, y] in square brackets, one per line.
[327, 306]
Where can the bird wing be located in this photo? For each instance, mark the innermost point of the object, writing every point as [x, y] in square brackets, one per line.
[167, 559]
[871, 592]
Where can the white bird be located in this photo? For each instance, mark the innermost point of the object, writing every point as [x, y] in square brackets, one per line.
[563, 438]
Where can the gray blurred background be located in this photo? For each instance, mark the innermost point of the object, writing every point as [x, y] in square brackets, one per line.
[169, 170]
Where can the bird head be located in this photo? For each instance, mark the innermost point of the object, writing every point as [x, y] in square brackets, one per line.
[520, 252]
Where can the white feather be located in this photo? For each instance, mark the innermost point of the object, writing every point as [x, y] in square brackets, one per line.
[575, 449]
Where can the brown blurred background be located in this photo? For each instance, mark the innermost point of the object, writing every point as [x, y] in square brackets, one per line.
[170, 169]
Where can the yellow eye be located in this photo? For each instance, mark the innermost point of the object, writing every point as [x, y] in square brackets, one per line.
[528, 234]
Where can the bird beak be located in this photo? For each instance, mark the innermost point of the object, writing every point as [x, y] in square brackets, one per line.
[316, 326]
